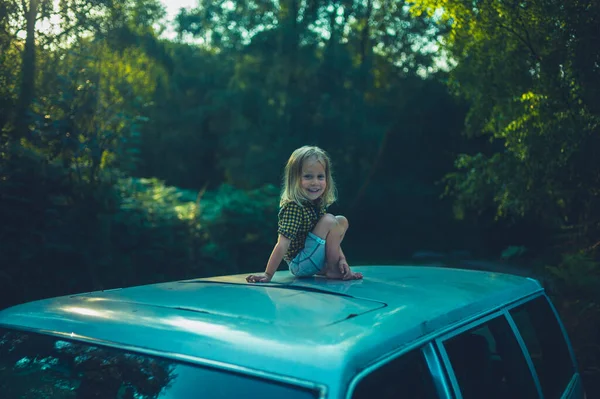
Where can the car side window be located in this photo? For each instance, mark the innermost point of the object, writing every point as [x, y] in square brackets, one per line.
[488, 362]
[36, 366]
[546, 345]
[406, 377]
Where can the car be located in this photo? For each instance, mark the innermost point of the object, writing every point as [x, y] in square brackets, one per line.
[401, 332]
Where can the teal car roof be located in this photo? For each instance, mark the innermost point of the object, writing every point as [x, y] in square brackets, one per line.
[312, 329]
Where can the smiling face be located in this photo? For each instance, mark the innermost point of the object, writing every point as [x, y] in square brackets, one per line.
[307, 176]
[313, 180]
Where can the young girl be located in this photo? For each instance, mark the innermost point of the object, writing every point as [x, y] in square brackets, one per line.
[309, 239]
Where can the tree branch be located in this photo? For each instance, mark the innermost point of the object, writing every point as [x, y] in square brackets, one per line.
[521, 39]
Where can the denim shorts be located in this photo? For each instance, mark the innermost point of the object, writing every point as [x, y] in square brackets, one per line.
[311, 259]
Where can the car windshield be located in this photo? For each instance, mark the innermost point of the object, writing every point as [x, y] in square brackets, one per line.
[36, 366]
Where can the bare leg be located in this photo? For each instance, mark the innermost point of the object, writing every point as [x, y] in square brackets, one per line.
[332, 229]
[334, 241]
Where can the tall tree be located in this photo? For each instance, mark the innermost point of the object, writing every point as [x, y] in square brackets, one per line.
[530, 72]
[30, 12]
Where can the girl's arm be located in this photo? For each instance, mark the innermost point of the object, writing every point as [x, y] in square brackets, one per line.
[283, 243]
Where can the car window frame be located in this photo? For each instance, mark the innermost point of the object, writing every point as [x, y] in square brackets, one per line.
[563, 330]
[432, 360]
[189, 360]
[576, 377]
[575, 382]
[504, 311]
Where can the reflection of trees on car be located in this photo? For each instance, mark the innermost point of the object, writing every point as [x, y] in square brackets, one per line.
[38, 367]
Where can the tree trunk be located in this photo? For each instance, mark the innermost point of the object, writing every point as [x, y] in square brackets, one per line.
[365, 70]
[365, 48]
[289, 52]
[27, 73]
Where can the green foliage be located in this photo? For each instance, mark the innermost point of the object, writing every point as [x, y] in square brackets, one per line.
[60, 206]
[322, 73]
[137, 231]
[160, 204]
[579, 276]
[240, 226]
[48, 214]
[526, 70]
[209, 232]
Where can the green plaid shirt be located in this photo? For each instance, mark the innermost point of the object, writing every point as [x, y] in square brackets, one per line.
[295, 222]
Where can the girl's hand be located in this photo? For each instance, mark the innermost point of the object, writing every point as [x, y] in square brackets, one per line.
[265, 278]
[344, 268]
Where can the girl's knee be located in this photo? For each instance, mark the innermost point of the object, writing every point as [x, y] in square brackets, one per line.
[329, 221]
[342, 221]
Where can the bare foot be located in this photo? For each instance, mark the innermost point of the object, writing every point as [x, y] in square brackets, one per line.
[353, 276]
[336, 274]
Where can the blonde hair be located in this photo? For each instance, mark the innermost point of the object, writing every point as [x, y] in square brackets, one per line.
[292, 176]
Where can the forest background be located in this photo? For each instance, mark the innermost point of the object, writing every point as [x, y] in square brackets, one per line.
[137, 149]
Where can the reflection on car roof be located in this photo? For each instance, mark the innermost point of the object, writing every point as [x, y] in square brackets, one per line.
[313, 329]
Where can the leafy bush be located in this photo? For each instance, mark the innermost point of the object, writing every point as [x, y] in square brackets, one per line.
[577, 275]
[240, 226]
[180, 233]
[62, 235]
